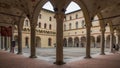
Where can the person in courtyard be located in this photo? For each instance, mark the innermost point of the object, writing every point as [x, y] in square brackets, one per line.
[13, 46]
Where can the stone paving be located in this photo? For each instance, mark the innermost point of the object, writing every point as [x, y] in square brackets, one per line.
[70, 54]
[9, 60]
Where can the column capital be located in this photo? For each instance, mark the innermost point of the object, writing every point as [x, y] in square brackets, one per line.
[103, 29]
[59, 15]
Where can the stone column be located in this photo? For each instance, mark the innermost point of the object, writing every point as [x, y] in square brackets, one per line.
[80, 42]
[102, 41]
[111, 42]
[1, 42]
[117, 39]
[73, 45]
[5, 42]
[19, 40]
[67, 42]
[59, 37]
[95, 42]
[88, 33]
[33, 41]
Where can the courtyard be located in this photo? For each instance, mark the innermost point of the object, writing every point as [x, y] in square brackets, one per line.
[70, 53]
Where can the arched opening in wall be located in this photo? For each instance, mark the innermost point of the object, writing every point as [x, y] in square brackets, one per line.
[46, 32]
[27, 42]
[38, 42]
[114, 39]
[48, 25]
[16, 40]
[49, 41]
[26, 23]
[83, 41]
[107, 41]
[70, 42]
[93, 42]
[65, 42]
[98, 41]
[76, 42]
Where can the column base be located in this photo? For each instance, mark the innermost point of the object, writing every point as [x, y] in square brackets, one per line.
[102, 53]
[87, 57]
[59, 63]
[33, 56]
[19, 53]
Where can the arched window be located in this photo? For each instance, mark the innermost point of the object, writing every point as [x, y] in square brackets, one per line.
[50, 26]
[70, 26]
[83, 24]
[50, 18]
[39, 16]
[65, 18]
[45, 25]
[39, 25]
[64, 26]
[70, 18]
[26, 23]
[49, 41]
[76, 25]
[76, 16]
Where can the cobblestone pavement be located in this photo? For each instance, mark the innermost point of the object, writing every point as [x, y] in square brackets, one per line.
[70, 54]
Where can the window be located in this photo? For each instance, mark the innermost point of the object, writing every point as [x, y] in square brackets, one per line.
[76, 25]
[39, 16]
[39, 25]
[50, 26]
[49, 41]
[70, 26]
[50, 18]
[65, 18]
[76, 16]
[70, 18]
[64, 26]
[45, 25]
[83, 24]
[26, 22]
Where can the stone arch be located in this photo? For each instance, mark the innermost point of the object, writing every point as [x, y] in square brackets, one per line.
[76, 42]
[108, 41]
[27, 42]
[49, 41]
[92, 41]
[16, 40]
[38, 41]
[98, 41]
[65, 42]
[70, 42]
[83, 41]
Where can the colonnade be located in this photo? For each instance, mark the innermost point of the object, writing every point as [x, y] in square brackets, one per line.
[59, 15]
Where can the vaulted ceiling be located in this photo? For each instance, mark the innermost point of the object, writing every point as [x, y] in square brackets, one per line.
[10, 10]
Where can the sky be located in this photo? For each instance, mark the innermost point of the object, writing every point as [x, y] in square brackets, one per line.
[71, 7]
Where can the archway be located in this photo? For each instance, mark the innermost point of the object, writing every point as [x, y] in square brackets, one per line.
[16, 40]
[98, 41]
[93, 41]
[70, 42]
[27, 42]
[65, 42]
[83, 41]
[38, 42]
[108, 41]
[76, 42]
